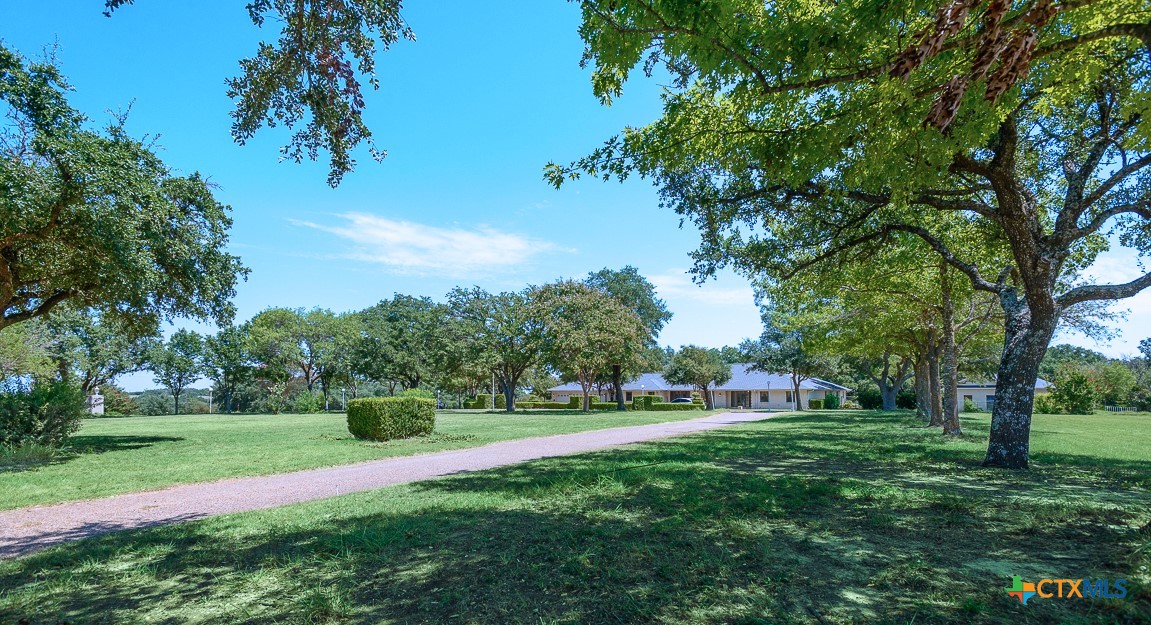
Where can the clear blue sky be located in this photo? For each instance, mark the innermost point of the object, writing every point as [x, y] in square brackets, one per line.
[469, 115]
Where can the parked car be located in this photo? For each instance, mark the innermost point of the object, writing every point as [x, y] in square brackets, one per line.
[681, 400]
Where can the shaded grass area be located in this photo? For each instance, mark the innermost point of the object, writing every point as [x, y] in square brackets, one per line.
[811, 518]
[113, 456]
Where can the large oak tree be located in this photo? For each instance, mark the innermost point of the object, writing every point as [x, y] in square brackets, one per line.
[95, 218]
[798, 133]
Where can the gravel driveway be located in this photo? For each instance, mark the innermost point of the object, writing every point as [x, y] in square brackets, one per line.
[26, 530]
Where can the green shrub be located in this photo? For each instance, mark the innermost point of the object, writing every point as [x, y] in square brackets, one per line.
[831, 402]
[26, 454]
[869, 399]
[1045, 404]
[46, 413]
[117, 403]
[152, 404]
[418, 392]
[669, 407]
[815, 404]
[850, 405]
[970, 406]
[307, 402]
[386, 418]
[575, 401]
[484, 400]
[1074, 391]
[647, 402]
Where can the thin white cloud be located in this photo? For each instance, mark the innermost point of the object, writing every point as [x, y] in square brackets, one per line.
[678, 286]
[414, 248]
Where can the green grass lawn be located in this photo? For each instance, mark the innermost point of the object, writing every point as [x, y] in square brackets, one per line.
[819, 518]
[111, 456]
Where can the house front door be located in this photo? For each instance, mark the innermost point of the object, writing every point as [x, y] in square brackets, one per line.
[741, 399]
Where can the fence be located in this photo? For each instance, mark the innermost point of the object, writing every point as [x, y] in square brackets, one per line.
[1120, 409]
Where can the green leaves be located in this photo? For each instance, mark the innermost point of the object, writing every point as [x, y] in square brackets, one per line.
[311, 79]
[97, 219]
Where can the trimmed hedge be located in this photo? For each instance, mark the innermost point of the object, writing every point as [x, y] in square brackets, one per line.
[815, 404]
[386, 418]
[484, 400]
[576, 401]
[831, 402]
[668, 407]
[645, 402]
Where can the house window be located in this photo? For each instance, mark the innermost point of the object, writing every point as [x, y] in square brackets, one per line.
[627, 395]
[969, 397]
[763, 397]
[790, 398]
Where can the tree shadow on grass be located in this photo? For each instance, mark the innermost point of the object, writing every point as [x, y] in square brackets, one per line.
[88, 444]
[707, 529]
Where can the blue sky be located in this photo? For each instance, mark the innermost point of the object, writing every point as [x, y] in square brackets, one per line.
[469, 115]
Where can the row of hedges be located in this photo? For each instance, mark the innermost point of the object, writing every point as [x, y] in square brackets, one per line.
[484, 400]
[669, 407]
[645, 402]
[385, 418]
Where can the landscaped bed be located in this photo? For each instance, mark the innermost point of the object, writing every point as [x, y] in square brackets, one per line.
[804, 518]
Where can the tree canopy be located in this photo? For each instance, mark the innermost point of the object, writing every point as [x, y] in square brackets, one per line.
[794, 138]
[700, 367]
[586, 331]
[96, 219]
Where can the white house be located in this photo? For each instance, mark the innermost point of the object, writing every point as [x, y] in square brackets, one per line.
[982, 393]
[746, 388]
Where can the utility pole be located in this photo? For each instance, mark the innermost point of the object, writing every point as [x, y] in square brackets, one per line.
[493, 390]
[209, 400]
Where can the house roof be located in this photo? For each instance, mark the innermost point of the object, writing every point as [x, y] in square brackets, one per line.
[743, 378]
[1040, 383]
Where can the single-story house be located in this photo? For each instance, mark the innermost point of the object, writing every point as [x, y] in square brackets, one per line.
[982, 392]
[746, 388]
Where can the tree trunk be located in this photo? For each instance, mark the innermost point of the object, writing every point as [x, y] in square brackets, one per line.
[707, 403]
[950, 364]
[509, 395]
[935, 397]
[888, 392]
[176, 401]
[795, 389]
[617, 385]
[922, 389]
[1027, 336]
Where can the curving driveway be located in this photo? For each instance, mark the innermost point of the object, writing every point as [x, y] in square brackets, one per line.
[26, 530]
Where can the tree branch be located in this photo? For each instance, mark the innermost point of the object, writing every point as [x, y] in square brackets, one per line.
[1093, 292]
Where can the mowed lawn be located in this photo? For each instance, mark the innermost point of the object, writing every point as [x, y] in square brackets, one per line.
[112, 456]
[847, 517]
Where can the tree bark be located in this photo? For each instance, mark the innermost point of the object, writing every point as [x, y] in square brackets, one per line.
[934, 395]
[1028, 332]
[509, 395]
[707, 403]
[888, 392]
[922, 389]
[795, 389]
[950, 364]
[617, 385]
